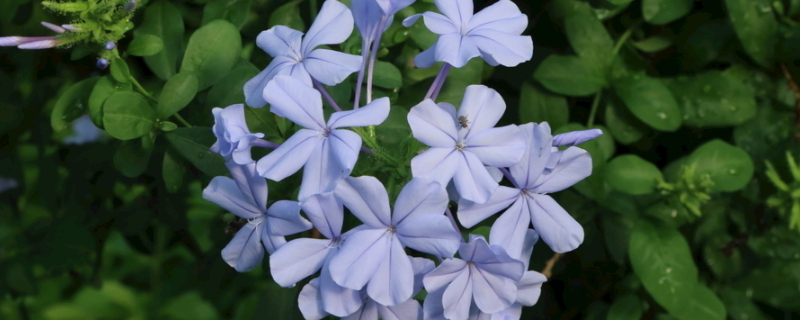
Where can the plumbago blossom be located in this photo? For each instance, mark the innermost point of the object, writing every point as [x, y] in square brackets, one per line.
[234, 139]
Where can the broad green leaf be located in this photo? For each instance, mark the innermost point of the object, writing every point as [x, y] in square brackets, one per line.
[652, 44]
[662, 259]
[212, 51]
[263, 121]
[163, 20]
[177, 93]
[704, 42]
[538, 106]
[387, 76]
[587, 36]
[279, 303]
[622, 125]
[617, 233]
[236, 12]
[132, 156]
[728, 166]
[665, 11]
[66, 245]
[570, 75]
[173, 171]
[702, 304]
[632, 175]
[593, 186]
[145, 45]
[167, 126]
[724, 263]
[189, 306]
[740, 306]
[605, 142]
[779, 242]
[767, 135]
[713, 99]
[119, 70]
[287, 15]
[756, 27]
[104, 88]
[21, 279]
[72, 104]
[775, 284]
[193, 144]
[395, 128]
[127, 115]
[228, 90]
[619, 2]
[458, 79]
[627, 307]
[650, 101]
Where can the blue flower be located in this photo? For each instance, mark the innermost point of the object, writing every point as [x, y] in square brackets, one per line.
[492, 34]
[233, 137]
[295, 55]
[462, 143]
[36, 42]
[8, 184]
[327, 152]
[246, 196]
[574, 138]
[84, 131]
[542, 170]
[372, 254]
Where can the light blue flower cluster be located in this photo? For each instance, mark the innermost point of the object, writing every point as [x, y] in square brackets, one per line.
[366, 272]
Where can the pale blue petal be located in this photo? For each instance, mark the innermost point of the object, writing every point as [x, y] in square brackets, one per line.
[367, 200]
[224, 192]
[290, 156]
[309, 301]
[574, 138]
[501, 16]
[333, 25]
[359, 257]
[252, 185]
[431, 233]
[556, 227]
[254, 88]
[514, 312]
[459, 11]
[531, 237]
[498, 47]
[445, 273]
[455, 49]
[476, 314]
[502, 264]
[472, 180]
[529, 288]
[325, 213]
[321, 172]
[438, 164]
[292, 99]
[408, 310]
[271, 242]
[393, 281]
[390, 7]
[245, 251]
[284, 218]
[372, 114]
[536, 155]
[471, 213]
[509, 230]
[432, 125]
[345, 146]
[419, 197]
[337, 300]
[451, 110]
[482, 107]
[421, 268]
[369, 311]
[432, 308]
[298, 259]
[457, 298]
[439, 24]
[331, 67]
[492, 292]
[367, 14]
[280, 41]
[297, 71]
[575, 165]
[427, 58]
[498, 147]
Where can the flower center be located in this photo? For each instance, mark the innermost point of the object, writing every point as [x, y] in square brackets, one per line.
[391, 228]
[326, 132]
[460, 145]
[335, 242]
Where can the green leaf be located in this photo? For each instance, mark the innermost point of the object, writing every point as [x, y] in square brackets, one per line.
[132, 156]
[652, 44]
[650, 101]
[104, 88]
[72, 104]
[767, 135]
[228, 90]
[193, 144]
[119, 70]
[145, 45]
[127, 115]
[167, 126]
[617, 233]
[212, 51]
[779, 242]
[387, 75]
[458, 79]
[724, 265]
[588, 37]
[593, 186]
[665, 11]
[661, 257]
[605, 142]
[728, 166]
[177, 93]
[713, 99]
[627, 307]
[740, 306]
[20, 279]
[538, 106]
[705, 42]
[702, 304]
[570, 75]
[163, 20]
[622, 125]
[236, 11]
[263, 121]
[287, 15]
[632, 175]
[173, 171]
[756, 26]
[775, 284]
[189, 306]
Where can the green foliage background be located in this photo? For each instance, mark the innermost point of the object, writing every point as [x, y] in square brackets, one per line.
[692, 212]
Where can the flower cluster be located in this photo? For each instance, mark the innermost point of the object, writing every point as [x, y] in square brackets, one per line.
[366, 272]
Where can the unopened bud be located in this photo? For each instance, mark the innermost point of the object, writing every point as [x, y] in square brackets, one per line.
[110, 45]
[53, 27]
[102, 63]
[130, 6]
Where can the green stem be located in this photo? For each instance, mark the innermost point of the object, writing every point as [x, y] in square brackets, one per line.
[593, 113]
[624, 38]
[182, 120]
[141, 89]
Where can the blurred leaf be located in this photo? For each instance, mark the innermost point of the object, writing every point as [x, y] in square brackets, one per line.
[193, 144]
[766, 135]
[163, 20]
[72, 104]
[713, 99]
[775, 284]
[704, 42]
[280, 303]
[395, 128]
[650, 101]
[235, 11]
[570, 75]
[458, 79]
[702, 304]
[728, 166]
[663, 261]
[740, 307]
[228, 90]
[287, 15]
[779, 242]
[127, 115]
[617, 233]
[622, 125]
[627, 307]
[652, 44]
[212, 51]
[132, 156]
[20, 279]
[633, 175]
[723, 265]
[145, 45]
[756, 27]
[66, 244]
[665, 11]
[189, 306]
[176, 95]
[605, 142]
[119, 70]
[173, 171]
[103, 89]
[387, 75]
[538, 106]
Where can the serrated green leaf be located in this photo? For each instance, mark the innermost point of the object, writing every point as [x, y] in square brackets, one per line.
[163, 20]
[650, 101]
[72, 104]
[633, 175]
[212, 51]
[538, 106]
[570, 75]
[176, 95]
[127, 115]
[728, 166]
[145, 45]
[756, 26]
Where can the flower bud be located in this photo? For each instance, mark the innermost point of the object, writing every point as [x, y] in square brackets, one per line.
[110, 45]
[102, 63]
